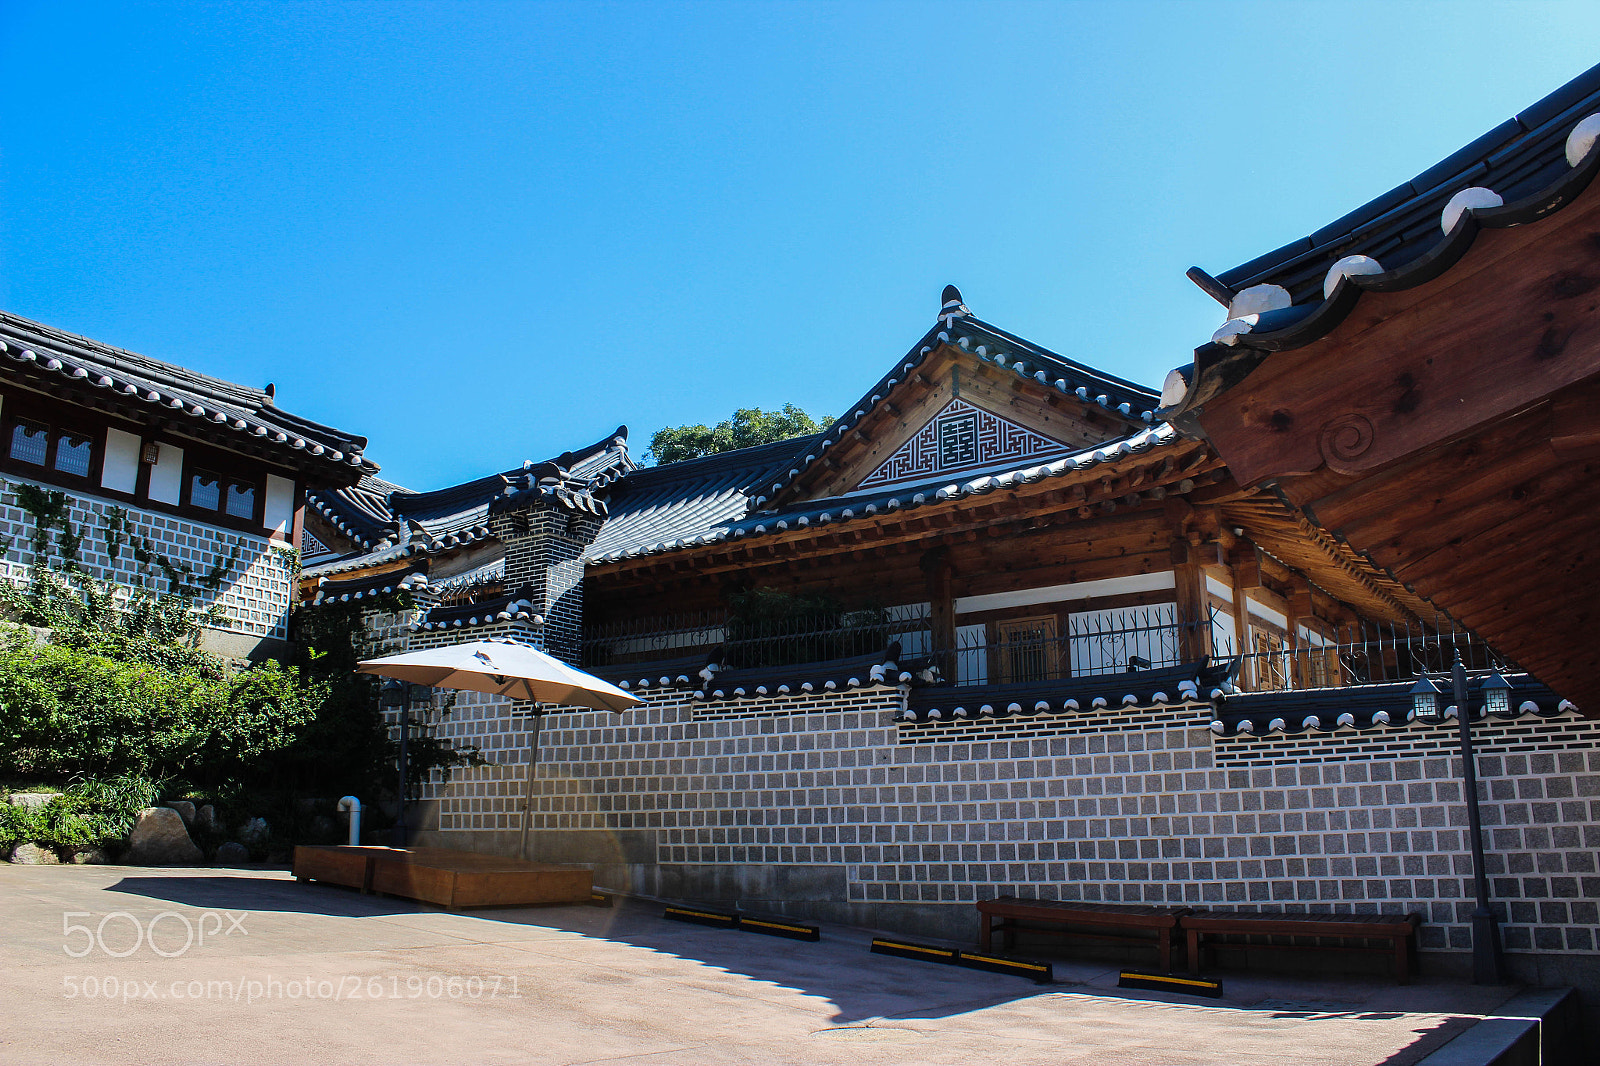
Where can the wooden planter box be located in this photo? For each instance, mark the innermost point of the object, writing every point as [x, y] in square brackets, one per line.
[452, 879]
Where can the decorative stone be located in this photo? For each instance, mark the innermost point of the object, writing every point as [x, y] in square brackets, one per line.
[255, 833]
[34, 855]
[32, 799]
[159, 838]
[185, 810]
[232, 854]
[205, 819]
[90, 857]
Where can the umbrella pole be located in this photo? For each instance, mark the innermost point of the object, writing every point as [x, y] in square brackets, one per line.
[527, 802]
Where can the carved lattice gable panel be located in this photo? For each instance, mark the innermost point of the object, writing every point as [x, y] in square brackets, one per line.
[310, 545]
[958, 438]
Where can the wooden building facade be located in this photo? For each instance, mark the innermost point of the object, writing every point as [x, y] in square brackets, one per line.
[1421, 376]
[141, 471]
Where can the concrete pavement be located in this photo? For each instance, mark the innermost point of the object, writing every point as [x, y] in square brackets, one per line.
[127, 964]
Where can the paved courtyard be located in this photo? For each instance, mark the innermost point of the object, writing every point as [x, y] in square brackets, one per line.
[127, 964]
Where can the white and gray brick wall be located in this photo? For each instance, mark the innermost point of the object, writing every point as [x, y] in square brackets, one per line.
[254, 595]
[905, 824]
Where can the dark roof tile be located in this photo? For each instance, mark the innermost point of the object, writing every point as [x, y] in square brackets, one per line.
[187, 396]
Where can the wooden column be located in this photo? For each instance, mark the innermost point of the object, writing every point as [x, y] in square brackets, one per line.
[1194, 615]
[1301, 611]
[939, 580]
[1246, 567]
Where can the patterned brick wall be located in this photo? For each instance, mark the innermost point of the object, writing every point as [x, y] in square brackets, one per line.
[254, 595]
[1143, 806]
[544, 547]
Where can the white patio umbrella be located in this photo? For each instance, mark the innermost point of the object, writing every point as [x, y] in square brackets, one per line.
[505, 669]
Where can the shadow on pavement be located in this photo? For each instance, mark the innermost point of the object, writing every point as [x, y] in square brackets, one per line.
[263, 894]
[839, 969]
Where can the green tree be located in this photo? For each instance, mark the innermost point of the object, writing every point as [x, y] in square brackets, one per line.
[748, 427]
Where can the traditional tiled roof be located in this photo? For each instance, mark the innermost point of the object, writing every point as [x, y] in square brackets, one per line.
[232, 414]
[516, 606]
[958, 327]
[360, 511]
[680, 502]
[1522, 170]
[462, 511]
[389, 522]
[715, 522]
[1196, 682]
[1364, 707]
[882, 669]
[408, 578]
[683, 672]
[365, 560]
[489, 574]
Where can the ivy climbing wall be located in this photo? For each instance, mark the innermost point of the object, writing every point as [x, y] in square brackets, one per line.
[249, 579]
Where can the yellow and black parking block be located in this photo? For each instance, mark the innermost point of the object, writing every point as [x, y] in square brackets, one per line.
[779, 927]
[697, 916]
[1155, 982]
[1041, 972]
[907, 950]
[599, 899]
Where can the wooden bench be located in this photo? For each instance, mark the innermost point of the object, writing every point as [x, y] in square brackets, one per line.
[1398, 930]
[1130, 921]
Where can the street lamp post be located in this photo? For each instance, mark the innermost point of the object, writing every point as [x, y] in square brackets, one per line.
[1488, 965]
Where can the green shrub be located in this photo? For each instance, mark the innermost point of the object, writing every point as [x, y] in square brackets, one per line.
[87, 814]
[66, 712]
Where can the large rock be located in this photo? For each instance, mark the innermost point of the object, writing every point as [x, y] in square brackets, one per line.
[32, 799]
[90, 857]
[205, 819]
[185, 810]
[34, 855]
[233, 854]
[255, 833]
[160, 839]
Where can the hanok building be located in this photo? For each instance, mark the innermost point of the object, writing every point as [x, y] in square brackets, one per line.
[1421, 375]
[999, 629]
[166, 478]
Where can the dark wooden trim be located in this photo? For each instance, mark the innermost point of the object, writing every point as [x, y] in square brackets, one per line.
[92, 423]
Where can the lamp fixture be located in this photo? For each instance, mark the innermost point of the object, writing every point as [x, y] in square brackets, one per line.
[1425, 701]
[1496, 694]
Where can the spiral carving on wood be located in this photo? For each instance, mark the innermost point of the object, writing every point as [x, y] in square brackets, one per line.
[1344, 440]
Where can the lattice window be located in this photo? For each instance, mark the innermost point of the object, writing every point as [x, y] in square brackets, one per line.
[1270, 660]
[1028, 649]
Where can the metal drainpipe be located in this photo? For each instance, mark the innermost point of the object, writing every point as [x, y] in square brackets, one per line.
[353, 805]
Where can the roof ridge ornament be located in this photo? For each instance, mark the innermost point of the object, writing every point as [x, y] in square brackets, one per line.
[951, 306]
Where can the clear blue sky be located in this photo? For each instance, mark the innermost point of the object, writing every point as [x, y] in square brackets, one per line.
[479, 233]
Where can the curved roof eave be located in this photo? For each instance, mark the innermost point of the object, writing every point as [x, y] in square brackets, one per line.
[831, 512]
